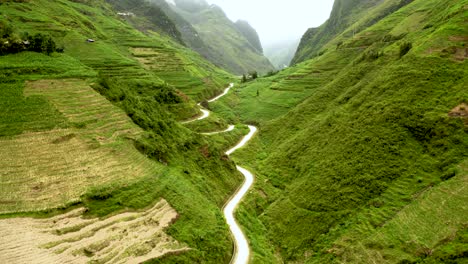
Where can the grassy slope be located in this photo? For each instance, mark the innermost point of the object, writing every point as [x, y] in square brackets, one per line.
[234, 51]
[193, 176]
[148, 17]
[354, 160]
[347, 19]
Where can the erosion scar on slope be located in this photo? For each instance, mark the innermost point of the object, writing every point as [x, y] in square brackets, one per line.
[132, 237]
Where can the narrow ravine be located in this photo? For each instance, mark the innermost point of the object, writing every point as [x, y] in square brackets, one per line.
[241, 248]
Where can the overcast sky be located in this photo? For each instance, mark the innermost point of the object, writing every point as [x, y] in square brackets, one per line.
[277, 20]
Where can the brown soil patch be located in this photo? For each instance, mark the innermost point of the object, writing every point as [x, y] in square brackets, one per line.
[460, 111]
[458, 38]
[461, 54]
[69, 238]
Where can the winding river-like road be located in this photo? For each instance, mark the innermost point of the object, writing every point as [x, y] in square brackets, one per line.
[242, 250]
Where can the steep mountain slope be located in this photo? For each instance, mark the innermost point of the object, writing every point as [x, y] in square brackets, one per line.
[250, 34]
[156, 18]
[362, 150]
[189, 34]
[344, 16]
[234, 51]
[96, 125]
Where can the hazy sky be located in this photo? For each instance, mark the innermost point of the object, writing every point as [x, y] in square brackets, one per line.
[277, 20]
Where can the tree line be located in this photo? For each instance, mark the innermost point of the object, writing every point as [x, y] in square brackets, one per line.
[11, 42]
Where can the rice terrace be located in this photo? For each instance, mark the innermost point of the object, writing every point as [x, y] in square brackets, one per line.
[234, 131]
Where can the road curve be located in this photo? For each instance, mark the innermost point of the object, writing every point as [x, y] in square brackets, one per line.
[229, 129]
[242, 250]
[223, 94]
[206, 113]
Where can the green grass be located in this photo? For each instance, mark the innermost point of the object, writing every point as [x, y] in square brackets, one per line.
[20, 113]
[229, 48]
[194, 174]
[209, 124]
[349, 141]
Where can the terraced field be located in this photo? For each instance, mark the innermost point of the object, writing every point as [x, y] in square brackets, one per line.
[47, 169]
[132, 237]
[171, 66]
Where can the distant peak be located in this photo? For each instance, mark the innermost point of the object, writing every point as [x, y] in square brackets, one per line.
[191, 5]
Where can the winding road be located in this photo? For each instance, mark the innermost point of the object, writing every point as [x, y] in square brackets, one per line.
[242, 250]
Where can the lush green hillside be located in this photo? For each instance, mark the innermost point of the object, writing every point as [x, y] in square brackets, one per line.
[362, 154]
[146, 16]
[98, 126]
[250, 34]
[189, 34]
[233, 50]
[347, 18]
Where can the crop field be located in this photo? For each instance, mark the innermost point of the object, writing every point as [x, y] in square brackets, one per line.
[47, 169]
[131, 237]
[268, 98]
[175, 69]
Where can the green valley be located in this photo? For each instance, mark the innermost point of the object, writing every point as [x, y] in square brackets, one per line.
[359, 145]
[116, 118]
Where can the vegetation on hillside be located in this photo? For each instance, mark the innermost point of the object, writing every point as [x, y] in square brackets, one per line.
[150, 82]
[361, 147]
[348, 18]
[11, 42]
[146, 16]
[250, 34]
[361, 155]
[233, 51]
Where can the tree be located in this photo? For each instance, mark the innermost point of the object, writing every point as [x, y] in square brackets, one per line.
[254, 75]
[6, 30]
[244, 78]
[38, 43]
[258, 93]
[49, 46]
[405, 48]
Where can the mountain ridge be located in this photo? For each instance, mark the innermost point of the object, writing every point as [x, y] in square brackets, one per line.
[233, 46]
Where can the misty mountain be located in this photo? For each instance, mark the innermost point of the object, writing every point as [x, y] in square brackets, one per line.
[148, 16]
[249, 33]
[344, 14]
[237, 46]
[281, 53]
[189, 34]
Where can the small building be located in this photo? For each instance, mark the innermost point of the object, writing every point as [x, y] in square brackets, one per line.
[90, 40]
[126, 14]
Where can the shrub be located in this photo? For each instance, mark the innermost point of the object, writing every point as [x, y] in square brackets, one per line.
[271, 73]
[253, 75]
[339, 44]
[405, 48]
[244, 78]
[450, 173]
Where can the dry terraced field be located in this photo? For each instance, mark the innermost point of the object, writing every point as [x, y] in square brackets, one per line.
[47, 169]
[132, 237]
